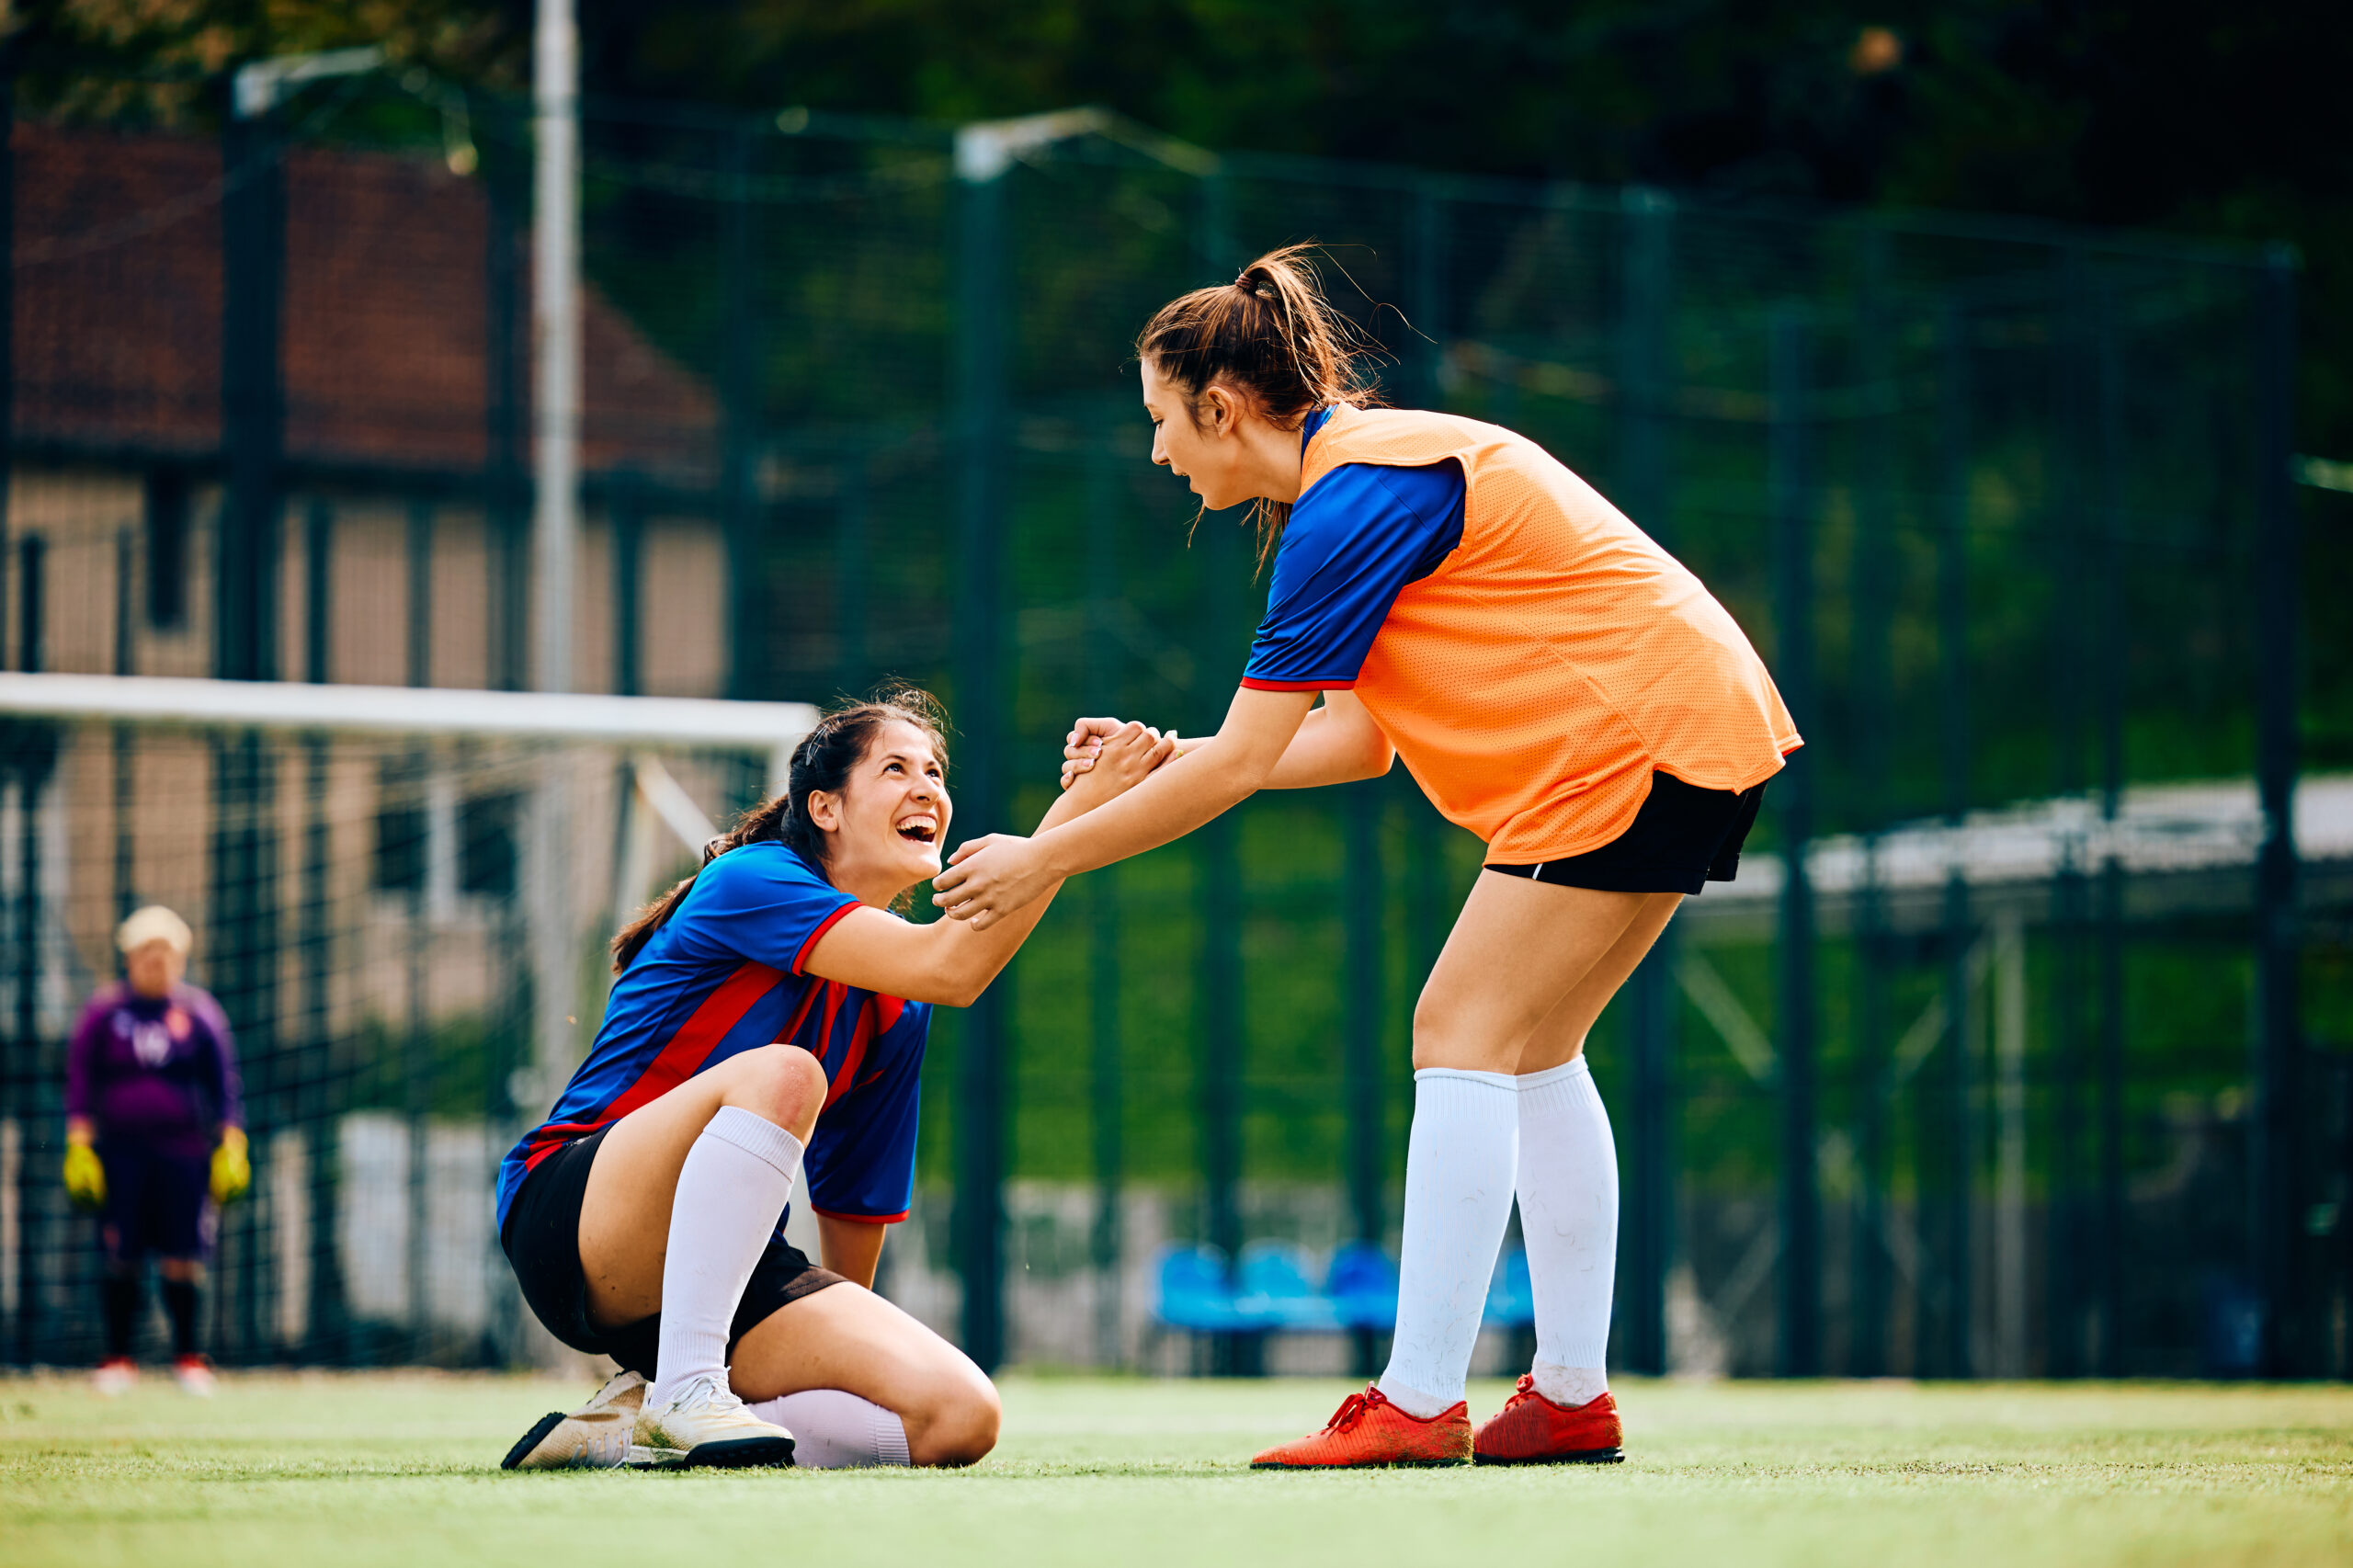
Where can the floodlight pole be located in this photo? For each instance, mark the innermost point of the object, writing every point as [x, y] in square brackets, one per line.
[555, 414]
[985, 152]
[555, 339]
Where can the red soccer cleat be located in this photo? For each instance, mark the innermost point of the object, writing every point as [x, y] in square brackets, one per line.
[1368, 1431]
[1531, 1429]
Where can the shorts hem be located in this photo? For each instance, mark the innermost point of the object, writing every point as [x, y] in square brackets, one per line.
[541, 1240]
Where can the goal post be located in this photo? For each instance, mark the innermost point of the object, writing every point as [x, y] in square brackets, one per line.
[400, 896]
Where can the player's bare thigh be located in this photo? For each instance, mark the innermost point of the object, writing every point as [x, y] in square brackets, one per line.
[625, 1209]
[1561, 1036]
[848, 1337]
[1519, 951]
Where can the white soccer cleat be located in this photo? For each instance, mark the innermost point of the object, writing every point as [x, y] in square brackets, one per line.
[193, 1374]
[116, 1374]
[704, 1424]
[595, 1437]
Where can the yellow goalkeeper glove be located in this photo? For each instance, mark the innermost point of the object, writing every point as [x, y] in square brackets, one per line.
[232, 1172]
[86, 1175]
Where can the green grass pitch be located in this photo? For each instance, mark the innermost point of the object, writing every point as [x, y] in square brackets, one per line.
[400, 1469]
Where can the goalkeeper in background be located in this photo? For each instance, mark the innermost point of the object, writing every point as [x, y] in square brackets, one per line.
[155, 1137]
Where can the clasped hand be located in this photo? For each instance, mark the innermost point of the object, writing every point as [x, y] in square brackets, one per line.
[989, 877]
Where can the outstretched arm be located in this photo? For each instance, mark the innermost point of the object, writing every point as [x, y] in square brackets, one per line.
[995, 879]
[950, 961]
[1336, 744]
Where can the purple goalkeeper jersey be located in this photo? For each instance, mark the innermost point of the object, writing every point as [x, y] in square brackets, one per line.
[161, 1069]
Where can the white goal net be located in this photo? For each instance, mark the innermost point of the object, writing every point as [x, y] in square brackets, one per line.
[401, 898]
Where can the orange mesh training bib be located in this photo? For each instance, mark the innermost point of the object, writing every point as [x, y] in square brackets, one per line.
[1556, 657]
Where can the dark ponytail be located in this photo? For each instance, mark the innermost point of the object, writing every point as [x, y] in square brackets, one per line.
[1272, 336]
[824, 760]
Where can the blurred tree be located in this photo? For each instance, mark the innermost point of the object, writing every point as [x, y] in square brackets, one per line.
[2171, 114]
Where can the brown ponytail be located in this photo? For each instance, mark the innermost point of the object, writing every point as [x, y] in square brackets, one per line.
[824, 760]
[1272, 336]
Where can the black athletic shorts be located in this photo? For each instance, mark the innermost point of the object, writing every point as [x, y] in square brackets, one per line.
[542, 1241]
[1682, 839]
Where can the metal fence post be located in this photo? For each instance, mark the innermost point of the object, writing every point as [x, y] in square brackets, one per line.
[1221, 1042]
[2278, 1022]
[1871, 660]
[1799, 1326]
[1101, 546]
[243, 945]
[2114, 632]
[2071, 645]
[983, 434]
[1361, 1056]
[1951, 1347]
[1425, 922]
[1645, 433]
[310, 1103]
[252, 238]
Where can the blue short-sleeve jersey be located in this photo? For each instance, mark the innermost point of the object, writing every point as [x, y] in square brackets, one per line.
[1359, 536]
[723, 975]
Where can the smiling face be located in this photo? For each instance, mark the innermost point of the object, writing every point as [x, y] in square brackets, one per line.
[1199, 442]
[884, 830]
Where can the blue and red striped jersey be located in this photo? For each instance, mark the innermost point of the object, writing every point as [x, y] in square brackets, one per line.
[723, 975]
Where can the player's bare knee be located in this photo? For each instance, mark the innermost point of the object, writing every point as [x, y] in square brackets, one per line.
[960, 1428]
[782, 1082]
[1442, 1040]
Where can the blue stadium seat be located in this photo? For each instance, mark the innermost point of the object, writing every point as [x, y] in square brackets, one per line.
[1363, 1285]
[1511, 1298]
[1275, 1293]
[1194, 1294]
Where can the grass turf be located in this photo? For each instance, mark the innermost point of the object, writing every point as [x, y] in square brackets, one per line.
[400, 1469]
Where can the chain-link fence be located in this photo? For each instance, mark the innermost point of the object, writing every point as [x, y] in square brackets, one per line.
[2009, 1079]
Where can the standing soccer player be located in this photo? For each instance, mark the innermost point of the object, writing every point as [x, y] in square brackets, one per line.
[154, 1138]
[1558, 686]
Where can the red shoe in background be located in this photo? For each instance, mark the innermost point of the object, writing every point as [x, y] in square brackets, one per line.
[1368, 1431]
[1531, 1429]
[116, 1374]
[193, 1374]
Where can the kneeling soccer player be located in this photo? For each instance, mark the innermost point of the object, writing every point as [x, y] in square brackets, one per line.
[770, 1011]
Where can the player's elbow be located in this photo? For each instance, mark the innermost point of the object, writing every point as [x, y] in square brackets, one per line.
[961, 981]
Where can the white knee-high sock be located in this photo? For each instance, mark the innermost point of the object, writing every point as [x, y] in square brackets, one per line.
[1568, 1212]
[735, 1182]
[1458, 1163]
[833, 1429]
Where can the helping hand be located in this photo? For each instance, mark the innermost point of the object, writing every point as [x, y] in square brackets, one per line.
[86, 1175]
[988, 879]
[232, 1172]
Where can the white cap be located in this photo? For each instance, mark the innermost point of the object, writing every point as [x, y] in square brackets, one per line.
[154, 924]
